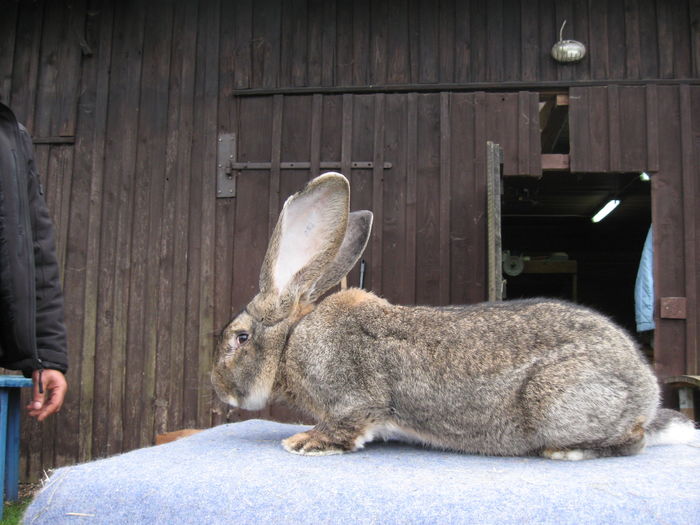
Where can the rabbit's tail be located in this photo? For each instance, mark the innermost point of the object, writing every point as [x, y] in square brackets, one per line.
[670, 427]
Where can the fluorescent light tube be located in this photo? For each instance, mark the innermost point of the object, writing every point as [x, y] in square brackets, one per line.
[605, 210]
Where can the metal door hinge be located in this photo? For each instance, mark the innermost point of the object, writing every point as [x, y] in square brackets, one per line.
[225, 173]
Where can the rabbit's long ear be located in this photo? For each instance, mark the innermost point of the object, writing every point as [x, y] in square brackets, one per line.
[306, 239]
[354, 243]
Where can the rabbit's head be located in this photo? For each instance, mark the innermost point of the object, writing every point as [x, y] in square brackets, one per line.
[315, 243]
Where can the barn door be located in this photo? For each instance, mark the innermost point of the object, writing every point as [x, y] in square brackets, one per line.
[417, 160]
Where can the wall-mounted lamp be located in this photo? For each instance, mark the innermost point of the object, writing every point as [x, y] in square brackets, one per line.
[567, 50]
[605, 210]
[644, 177]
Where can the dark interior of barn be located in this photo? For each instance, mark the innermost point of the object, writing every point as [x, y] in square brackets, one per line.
[552, 247]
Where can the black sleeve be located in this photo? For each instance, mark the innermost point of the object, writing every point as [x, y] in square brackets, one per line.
[50, 326]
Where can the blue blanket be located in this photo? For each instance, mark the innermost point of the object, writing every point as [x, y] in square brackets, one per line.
[239, 473]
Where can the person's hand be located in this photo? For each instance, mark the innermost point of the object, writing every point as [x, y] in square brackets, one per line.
[50, 402]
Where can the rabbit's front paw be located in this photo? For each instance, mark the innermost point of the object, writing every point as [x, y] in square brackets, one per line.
[314, 443]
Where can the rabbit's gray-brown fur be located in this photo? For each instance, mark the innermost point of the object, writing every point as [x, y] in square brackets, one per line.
[510, 378]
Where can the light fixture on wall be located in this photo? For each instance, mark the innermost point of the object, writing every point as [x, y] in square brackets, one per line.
[567, 50]
[605, 210]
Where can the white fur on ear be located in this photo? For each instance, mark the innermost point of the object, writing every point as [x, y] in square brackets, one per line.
[310, 224]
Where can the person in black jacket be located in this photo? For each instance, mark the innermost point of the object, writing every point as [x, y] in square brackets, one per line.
[32, 330]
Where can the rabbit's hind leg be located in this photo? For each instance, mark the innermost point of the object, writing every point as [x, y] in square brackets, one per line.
[629, 447]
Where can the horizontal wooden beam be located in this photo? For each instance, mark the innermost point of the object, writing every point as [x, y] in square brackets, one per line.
[475, 86]
[54, 140]
[555, 162]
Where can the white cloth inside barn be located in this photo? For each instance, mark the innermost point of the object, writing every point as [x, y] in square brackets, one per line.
[239, 473]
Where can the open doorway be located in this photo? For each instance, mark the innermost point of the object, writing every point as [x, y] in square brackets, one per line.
[552, 248]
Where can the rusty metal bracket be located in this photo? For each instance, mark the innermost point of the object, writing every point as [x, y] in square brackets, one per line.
[673, 308]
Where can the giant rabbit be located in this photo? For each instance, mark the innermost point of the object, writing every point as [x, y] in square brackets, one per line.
[527, 377]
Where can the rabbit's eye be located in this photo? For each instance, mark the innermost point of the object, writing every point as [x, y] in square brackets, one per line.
[242, 338]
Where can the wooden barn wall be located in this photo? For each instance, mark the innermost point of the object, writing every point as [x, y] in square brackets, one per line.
[654, 129]
[126, 101]
[304, 43]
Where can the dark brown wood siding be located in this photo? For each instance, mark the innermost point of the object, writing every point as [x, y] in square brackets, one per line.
[127, 100]
[295, 44]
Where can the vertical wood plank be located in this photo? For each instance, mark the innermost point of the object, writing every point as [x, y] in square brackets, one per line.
[579, 138]
[445, 197]
[316, 130]
[237, 37]
[598, 129]
[173, 243]
[512, 26]
[361, 180]
[693, 287]
[428, 259]
[669, 264]
[346, 134]
[411, 196]
[344, 44]
[652, 128]
[428, 51]
[316, 11]
[477, 289]
[690, 221]
[665, 31]
[582, 31]
[90, 148]
[648, 39]
[523, 119]
[207, 163]
[366, 62]
[62, 166]
[634, 148]
[462, 202]
[548, 34]
[682, 33]
[377, 262]
[614, 124]
[151, 159]
[694, 38]
[8, 36]
[293, 40]
[494, 51]
[463, 43]
[529, 41]
[598, 49]
[446, 43]
[397, 44]
[266, 44]
[170, 363]
[25, 73]
[616, 39]
[330, 42]
[394, 207]
[273, 205]
[633, 53]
